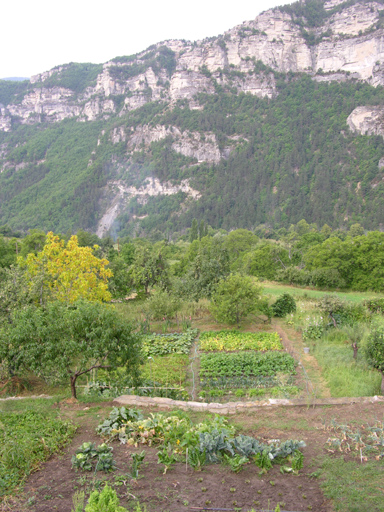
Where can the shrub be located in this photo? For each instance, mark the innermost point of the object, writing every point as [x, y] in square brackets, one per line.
[161, 305]
[234, 298]
[375, 305]
[313, 330]
[284, 305]
[374, 351]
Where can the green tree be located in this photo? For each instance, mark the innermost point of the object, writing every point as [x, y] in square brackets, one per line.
[374, 352]
[60, 342]
[356, 230]
[210, 264]
[194, 232]
[239, 241]
[33, 242]
[148, 269]
[235, 298]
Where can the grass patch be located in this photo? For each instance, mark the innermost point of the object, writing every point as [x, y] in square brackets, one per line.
[170, 369]
[26, 440]
[343, 375]
[353, 487]
[276, 289]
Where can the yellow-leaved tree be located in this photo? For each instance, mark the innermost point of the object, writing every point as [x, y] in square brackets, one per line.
[68, 271]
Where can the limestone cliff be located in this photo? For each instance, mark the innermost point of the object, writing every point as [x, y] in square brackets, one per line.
[350, 44]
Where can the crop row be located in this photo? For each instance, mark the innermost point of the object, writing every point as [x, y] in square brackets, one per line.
[163, 344]
[234, 340]
[246, 364]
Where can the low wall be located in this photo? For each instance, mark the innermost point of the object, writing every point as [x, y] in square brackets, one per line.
[236, 407]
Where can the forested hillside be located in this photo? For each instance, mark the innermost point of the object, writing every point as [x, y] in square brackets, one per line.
[144, 144]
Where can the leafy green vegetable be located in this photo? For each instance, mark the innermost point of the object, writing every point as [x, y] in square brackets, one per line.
[246, 364]
[235, 340]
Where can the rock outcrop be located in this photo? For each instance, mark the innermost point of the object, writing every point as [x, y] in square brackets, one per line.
[349, 45]
[151, 187]
[367, 120]
[192, 144]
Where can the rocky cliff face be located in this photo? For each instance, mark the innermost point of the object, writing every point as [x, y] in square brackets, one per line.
[350, 44]
[367, 121]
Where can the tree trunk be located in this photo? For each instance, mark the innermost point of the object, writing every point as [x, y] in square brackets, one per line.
[355, 349]
[73, 386]
[333, 320]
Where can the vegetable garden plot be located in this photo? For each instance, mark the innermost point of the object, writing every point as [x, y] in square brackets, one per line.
[247, 374]
[246, 364]
[174, 343]
[212, 341]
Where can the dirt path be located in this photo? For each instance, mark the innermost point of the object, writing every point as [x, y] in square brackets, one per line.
[311, 378]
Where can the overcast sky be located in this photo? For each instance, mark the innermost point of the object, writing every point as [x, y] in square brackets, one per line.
[36, 35]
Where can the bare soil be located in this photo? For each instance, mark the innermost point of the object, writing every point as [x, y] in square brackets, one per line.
[181, 488]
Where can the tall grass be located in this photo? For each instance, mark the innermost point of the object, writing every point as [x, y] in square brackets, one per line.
[275, 289]
[345, 376]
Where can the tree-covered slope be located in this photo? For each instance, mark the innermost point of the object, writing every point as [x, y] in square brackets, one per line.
[234, 130]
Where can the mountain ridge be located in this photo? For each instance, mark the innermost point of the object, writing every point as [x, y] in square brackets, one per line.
[158, 122]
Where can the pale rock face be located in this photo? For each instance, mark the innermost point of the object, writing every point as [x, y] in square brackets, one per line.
[272, 38]
[367, 120]
[189, 144]
[152, 187]
[185, 84]
[106, 85]
[359, 57]
[54, 104]
[332, 3]
[260, 85]
[5, 120]
[118, 135]
[94, 108]
[354, 19]
[41, 77]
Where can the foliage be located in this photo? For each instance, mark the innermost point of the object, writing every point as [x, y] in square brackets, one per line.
[374, 351]
[104, 501]
[161, 305]
[26, 440]
[116, 418]
[234, 298]
[246, 364]
[284, 305]
[165, 370]
[12, 91]
[71, 272]
[74, 76]
[64, 342]
[210, 264]
[137, 461]
[235, 340]
[313, 330]
[162, 344]
[213, 440]
[148, 269]
[364, 440]
[89, 457]
[375, 305]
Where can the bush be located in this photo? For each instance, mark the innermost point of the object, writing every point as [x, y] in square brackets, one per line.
[284, 305]
[313, 330]
[374, 352]
[234, 298]
[161, 305]
[375, 305]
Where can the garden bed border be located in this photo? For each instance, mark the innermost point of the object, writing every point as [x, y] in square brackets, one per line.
[238, 407]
